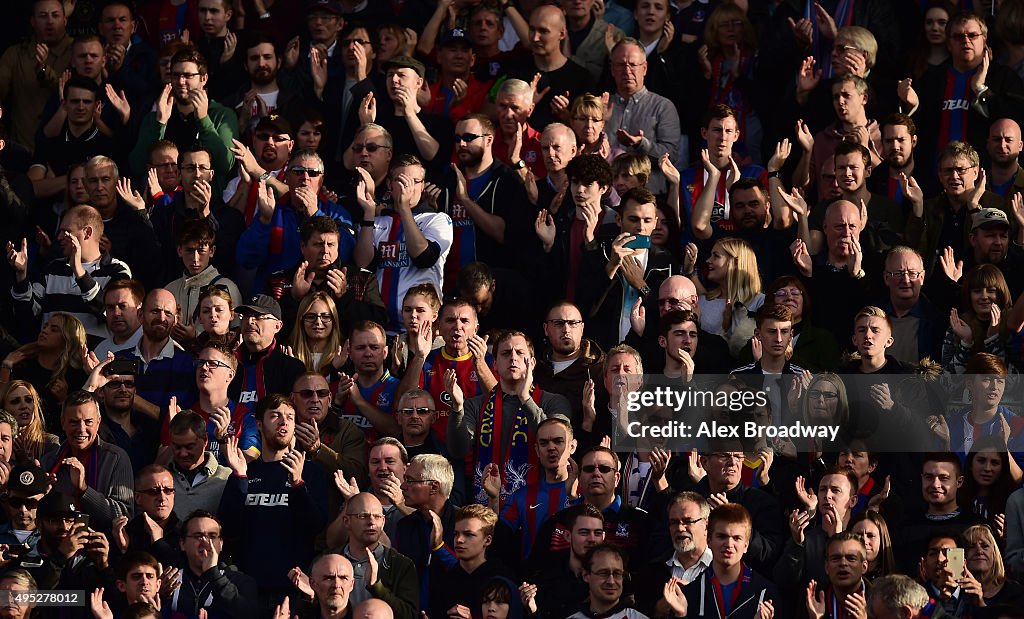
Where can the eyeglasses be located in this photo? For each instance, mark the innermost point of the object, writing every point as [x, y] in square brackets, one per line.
[604, 468]
[783, 292]
[730, 23]
[195, 168]
[311, 172]
[842, 49]
[176, 75]
[828, 396]
[203, 536]
[688, 522]
[558, 323]
[726, 457]
[613, 574]
[366, 516]
[199, 364]
[587, 119]
[268, 137]
[309, 393]
[627, 66]
[257, 317]
[313, 318]
[957, 171]
[117, 385]
[406, 480]
[210, 287]
[157, 491]
[469, 137]
[965, 36]
[356, 41]
[170, 165]
[422, 410]
[369, 146]
[17, 503]
[906, 273]
[415, 181]
[672, 302]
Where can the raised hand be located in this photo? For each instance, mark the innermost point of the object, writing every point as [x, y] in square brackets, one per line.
[953, 268]
[133, 198]
[368, 109]
[804, 136]
[807, 77]
[348, 489]
[638, 317]
[492, 480]
[798, 521]
[914, 193]
[670, 171]
[960, 328]
[120, 103]
[782, 151]
[815, 601]
[806, 497]
[266, 203]
[100, 609]
[318, 69]
[234, 456]
[673, 594]
[937, 424]
[230, 45]
[300, 581]
[906, 94]
[802, 259]
[697, 471]
[293, 462]
[451, 385]
[17, 257]
[291, 53]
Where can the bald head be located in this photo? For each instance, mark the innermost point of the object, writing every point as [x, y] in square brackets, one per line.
[547, 31]
[159, 315]
[332, 580]
[676, 293]
[1004, 143]
[373, 609]
[363, 502]
[550, 14]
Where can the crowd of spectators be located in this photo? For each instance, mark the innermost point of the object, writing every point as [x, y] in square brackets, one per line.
[336, 308]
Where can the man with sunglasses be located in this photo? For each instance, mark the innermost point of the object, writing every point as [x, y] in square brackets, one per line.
[625, 526]
[154, 529]
[336, 443]
[482, 196]
[265, 158]
[26, 486]
[372, 150]
[272, 242]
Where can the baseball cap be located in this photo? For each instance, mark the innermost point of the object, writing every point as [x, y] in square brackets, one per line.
[405, 62]
[28, 478]
[455, 36]
[261, 304]
[988, 218]
[331, 6]
[276, 123]
[56, 504]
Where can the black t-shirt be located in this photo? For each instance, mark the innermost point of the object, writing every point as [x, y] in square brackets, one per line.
[65, 149]
[569, 77]
[438, 126]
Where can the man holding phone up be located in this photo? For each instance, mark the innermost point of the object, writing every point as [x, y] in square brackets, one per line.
[628, 268]
[946, 579]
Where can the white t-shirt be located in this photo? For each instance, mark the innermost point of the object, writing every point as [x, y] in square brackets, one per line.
[395, 271]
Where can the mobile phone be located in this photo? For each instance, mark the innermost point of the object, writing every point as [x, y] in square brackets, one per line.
[81, 521]
[15, 551]
[955, 561]
[122, 367]
[640, 241]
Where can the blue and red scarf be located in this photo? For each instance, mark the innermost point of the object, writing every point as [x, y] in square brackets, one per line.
[519, 465]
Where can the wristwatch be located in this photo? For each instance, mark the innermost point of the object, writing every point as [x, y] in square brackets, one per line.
[859, 274]
[775, 174]
[519, 165]
[266, 175]
[645, 292]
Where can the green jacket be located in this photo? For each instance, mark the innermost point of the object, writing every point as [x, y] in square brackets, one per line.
[922, 233]
[215, 134]
[816, 350]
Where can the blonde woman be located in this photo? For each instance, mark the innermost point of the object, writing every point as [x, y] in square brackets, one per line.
[21, 399]
[985, 564]
[316, 337]
[588, 113]
[727, 309]
[53, 363]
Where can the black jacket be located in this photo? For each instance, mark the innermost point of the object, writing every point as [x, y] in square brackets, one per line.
[279, 372]
[223, 591]
[600, 299]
